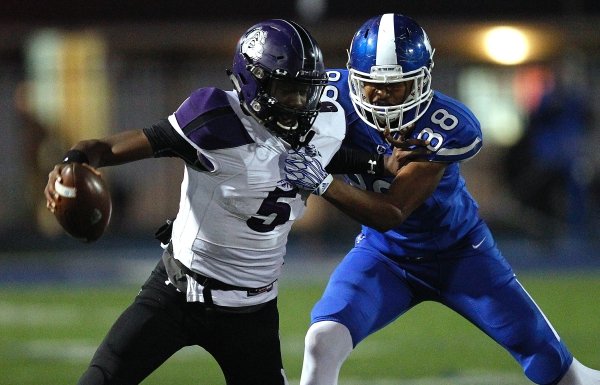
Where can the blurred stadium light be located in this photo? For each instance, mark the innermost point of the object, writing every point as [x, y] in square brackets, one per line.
[507, 45]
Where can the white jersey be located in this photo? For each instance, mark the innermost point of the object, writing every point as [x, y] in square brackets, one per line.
[233, 221]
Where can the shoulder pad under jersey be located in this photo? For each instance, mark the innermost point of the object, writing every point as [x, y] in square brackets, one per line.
[207, 120]
[453, 130]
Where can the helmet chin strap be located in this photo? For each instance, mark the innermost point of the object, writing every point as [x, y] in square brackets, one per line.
[382, 122]
[305, 139]
[297, 142]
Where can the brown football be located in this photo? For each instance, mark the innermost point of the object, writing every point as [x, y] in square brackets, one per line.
[85, 205]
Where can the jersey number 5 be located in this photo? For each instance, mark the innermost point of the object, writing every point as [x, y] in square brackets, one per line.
[272, 212]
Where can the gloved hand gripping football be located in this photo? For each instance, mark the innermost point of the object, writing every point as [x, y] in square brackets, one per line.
[304, 169]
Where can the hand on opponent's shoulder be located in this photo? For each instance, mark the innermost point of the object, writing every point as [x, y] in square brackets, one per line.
[406, 150]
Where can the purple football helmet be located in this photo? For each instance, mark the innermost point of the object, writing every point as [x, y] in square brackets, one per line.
[391, 48]
[279, 74]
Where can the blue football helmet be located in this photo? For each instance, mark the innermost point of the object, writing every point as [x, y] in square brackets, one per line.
[279, 74]
[388, 49]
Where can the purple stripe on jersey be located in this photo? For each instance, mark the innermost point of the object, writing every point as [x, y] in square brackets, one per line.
[224, 131]
[199, 102]
[208, 120]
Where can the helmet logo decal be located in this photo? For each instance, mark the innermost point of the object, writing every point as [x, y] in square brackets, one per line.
[254, 44]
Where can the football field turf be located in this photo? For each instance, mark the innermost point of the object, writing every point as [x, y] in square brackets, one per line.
[48, 334]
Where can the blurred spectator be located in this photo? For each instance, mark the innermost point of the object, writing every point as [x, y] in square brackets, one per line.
[546, 167]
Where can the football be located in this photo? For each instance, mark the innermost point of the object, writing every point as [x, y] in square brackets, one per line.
[84, 205]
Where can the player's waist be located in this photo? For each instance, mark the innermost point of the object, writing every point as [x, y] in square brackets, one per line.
[214, 292]
[215, 284]
[429, 246]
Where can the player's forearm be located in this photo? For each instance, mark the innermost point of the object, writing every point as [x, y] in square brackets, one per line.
[351, 161]
[124, 147]
[368, 208]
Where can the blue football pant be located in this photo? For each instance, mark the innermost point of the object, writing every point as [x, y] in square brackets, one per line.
[367, 291]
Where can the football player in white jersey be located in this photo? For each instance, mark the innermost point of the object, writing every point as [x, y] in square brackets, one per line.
[217, 282]
[422, 239]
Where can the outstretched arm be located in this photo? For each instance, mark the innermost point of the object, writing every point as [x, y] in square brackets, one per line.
[124, 147]
[120, 148]
[413, 184]
[350, 161]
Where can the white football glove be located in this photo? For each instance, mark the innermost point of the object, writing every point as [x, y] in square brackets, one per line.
[304, 169]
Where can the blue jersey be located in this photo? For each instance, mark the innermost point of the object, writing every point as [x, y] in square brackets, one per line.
[441, 225]
[442, 252]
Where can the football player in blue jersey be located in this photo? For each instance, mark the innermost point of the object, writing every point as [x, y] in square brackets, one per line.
[422, 238]
[216, 285]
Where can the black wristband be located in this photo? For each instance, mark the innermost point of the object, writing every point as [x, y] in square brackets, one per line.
[350, 161]
[75, 156]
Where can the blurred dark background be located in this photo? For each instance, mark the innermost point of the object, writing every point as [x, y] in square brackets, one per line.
[91, 11]
[74, 70]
